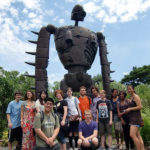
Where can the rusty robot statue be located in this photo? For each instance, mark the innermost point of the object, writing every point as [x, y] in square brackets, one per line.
[76, 47]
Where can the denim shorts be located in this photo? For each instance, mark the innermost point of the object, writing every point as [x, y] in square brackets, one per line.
[135, 125]
[61, 136]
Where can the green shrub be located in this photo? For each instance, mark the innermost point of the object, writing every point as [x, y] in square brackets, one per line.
[145, 131]
[5, 137]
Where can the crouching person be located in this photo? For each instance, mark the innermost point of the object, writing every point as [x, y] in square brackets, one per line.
[46, 126]
[88, 130]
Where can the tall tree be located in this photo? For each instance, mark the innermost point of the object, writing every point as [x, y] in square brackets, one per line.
[138, 75]
[11, 81]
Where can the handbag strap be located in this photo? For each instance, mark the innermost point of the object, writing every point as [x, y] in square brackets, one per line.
[75, 101]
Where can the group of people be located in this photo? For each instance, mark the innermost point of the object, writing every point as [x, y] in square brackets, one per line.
[45, 125]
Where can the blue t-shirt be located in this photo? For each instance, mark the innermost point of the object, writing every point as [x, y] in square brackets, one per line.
[14, 109]
[87, 129]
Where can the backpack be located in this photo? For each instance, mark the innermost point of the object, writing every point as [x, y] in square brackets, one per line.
[42, 116]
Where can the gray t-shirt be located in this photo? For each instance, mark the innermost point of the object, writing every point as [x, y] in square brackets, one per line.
[49, 124]
[72, 105]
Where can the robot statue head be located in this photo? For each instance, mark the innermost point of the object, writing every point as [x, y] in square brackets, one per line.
[78, 13]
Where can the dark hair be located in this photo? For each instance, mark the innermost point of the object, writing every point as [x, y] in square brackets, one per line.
[33, 96]
[112, 91]
[17, 92]
[131, 87]
[49, 99]
[94, 87]
[60, 92]
[69, 88]
[40, 99]
[82, 87]
[123, 92]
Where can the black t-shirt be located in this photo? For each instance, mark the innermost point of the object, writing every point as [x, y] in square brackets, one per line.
[59, 105]
[104, 107]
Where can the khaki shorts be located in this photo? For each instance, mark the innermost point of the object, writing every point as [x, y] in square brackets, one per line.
[105, 128]
[118, 126]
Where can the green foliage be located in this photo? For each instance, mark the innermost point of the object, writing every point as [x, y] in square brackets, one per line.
[144, 92]
[5, 137]
[118, 86]
[145, 131]
[10, 82]
[137, 76]
[97, 79]
[52, 88]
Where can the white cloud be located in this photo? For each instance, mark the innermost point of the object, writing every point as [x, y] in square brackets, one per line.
[31, 4]
[91, 7]
[71, 1]
[125, 73]
[31, 15]
[80, 1]
[55, 18]
[55, 77]
[61, 21]
[49, 12]
[25, 11]
[4, 4]
[14, 12]
[117, 10]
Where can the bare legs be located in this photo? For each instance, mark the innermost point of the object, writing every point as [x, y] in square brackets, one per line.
[136, 137]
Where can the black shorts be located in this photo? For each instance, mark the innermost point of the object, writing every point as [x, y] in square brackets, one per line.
[15, 134]
[73, 127]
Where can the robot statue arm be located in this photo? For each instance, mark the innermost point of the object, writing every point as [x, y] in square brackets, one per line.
[105, 65]
[41, 58]
[51, 29]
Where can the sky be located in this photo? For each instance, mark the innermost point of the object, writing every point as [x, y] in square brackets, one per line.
[125, 24]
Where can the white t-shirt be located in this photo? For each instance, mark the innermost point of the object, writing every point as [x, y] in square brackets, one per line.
[38, 106]
[72, 108]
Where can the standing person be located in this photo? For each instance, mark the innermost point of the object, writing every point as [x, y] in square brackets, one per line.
[13, 117]
[88, 130]
[116, 119]
[104, 118]
[46, 126]
[84, 101]
[95, 92]
[121, 107]
[61, 107]
[27, 118]
[135, 119]
[39, 104]
[74, 116]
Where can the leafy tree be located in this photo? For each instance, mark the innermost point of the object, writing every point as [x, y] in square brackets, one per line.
[118, 86]
[98, 81]
[10, 82]
[137, 76]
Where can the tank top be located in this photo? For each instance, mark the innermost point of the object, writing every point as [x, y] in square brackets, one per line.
[122, 108]
[134, 115]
